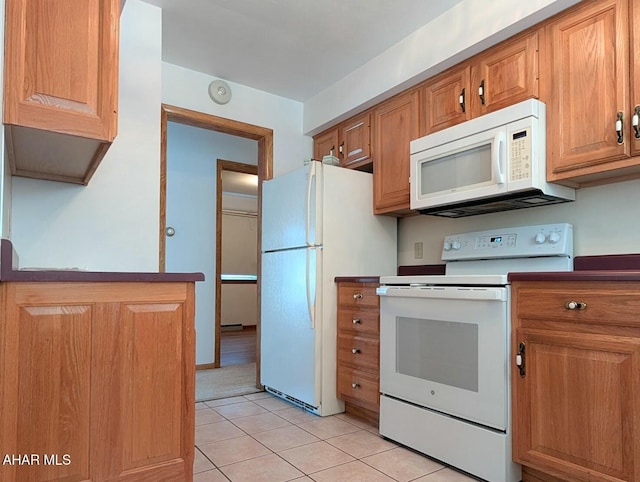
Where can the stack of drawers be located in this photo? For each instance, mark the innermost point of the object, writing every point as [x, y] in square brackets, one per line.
[359, 347]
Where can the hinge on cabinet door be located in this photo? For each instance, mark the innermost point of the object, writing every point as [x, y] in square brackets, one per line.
[520, 358]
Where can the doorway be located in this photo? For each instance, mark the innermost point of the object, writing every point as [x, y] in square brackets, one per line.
[264, 138]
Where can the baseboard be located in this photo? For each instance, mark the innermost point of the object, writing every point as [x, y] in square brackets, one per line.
[206, 366]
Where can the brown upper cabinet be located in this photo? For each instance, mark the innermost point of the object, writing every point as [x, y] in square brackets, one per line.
[592, 89]
[350, 142]
[498, 77]
[61, 86]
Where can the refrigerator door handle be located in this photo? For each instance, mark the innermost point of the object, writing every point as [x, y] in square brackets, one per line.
[312, 175]
[310, 304]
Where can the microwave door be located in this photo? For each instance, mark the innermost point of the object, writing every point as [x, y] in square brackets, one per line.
[470, 168]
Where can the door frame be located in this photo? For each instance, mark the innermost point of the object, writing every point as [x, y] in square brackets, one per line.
[263, 135]
[224, 165]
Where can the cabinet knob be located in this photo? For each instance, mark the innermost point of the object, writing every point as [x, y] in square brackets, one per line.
[355, 350]
[356, 321]
[575, 305]
[355, 385]
[357, 296]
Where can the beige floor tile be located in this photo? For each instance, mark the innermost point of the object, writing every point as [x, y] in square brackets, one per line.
[207, 415]
[201, 463]
[315, 457]
[239, 410]
[446, 475]
[285, 438]
[258, 395]
[328, 427]
[260, 423]
[301, 479]
[201, 405]
[268, 468]
[217, 431]
[353, 472]
[358, 422]
[297, 415]
[361, 444]
[234, 450]
[402, 464]
[273, 404]
[210, 476]
[224, 401]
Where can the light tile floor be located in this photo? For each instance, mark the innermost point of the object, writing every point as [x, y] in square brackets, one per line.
[259, 437]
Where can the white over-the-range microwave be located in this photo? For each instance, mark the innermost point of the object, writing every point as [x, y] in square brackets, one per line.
[496, 162]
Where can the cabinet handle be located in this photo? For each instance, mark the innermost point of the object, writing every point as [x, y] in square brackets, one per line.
[520, 358]
[355, 385]
[634, 121]
[619, 126]
[575, 305]
[356, 321]
[341, 149]
[461, 100]
[357, 296]
[355, 351]
[481, 91]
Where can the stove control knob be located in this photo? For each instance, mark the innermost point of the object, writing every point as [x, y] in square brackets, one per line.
[456, 245]
[447, 246]
[540, 238]
[554, 238]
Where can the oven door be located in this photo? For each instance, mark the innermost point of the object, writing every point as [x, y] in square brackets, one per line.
[445, 348]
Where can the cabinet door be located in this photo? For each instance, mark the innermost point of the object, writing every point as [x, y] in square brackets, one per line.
[635, 75]
[355, 142]
[505, 75]
[576, 410]
[325, 144]
[396, 124]
[446, 100]
[586, 88]
[61, 66]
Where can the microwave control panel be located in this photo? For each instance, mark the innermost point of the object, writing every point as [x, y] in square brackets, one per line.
[520, 154]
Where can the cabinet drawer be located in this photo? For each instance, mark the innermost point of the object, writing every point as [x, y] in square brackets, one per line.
[615, 307]
[362, 386]
[360, 321]
[358, 295]
[358, 350]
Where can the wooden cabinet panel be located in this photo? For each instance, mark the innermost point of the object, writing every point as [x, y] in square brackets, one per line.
[586, 87]
[360, 387]
[356, 295]
[505, 75]
[362, 351]
[575, 403]
[355, 142]
[325, 144]
[61, 81]
[395, 125]
[359, 321]
[446, 100]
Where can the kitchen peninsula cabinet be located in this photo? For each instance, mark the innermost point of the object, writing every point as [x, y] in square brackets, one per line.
[591, 87]
[60, 86]
[396, 124]
[576, 390]
[359, 347]
[97, 373]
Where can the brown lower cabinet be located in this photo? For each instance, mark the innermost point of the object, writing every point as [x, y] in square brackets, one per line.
[576, 396]
[97, 381]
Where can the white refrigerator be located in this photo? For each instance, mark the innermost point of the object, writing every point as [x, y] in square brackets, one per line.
[317, 223]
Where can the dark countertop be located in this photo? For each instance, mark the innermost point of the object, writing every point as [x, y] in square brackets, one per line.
[422, 269]
[9, 271]
[617, 267]
[357, 279]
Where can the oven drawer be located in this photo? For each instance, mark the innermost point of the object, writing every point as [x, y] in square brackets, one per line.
[358, 385]
[585, 302]
[358, 350]
[359, 321]
[358, 294]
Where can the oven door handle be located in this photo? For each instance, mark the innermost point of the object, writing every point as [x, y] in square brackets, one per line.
[445, 292]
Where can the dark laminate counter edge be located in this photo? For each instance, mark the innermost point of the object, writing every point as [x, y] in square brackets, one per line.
[9, 272]
[357, 279]
[597, 275]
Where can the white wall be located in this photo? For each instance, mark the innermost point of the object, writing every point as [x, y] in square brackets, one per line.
[191, 209]
[111, 224]
[466, 29]
[189, 89]
[604, 218]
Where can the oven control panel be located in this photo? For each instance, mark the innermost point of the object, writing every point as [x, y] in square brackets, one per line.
[514, 242]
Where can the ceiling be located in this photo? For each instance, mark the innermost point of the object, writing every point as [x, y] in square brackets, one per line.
[291, 48]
